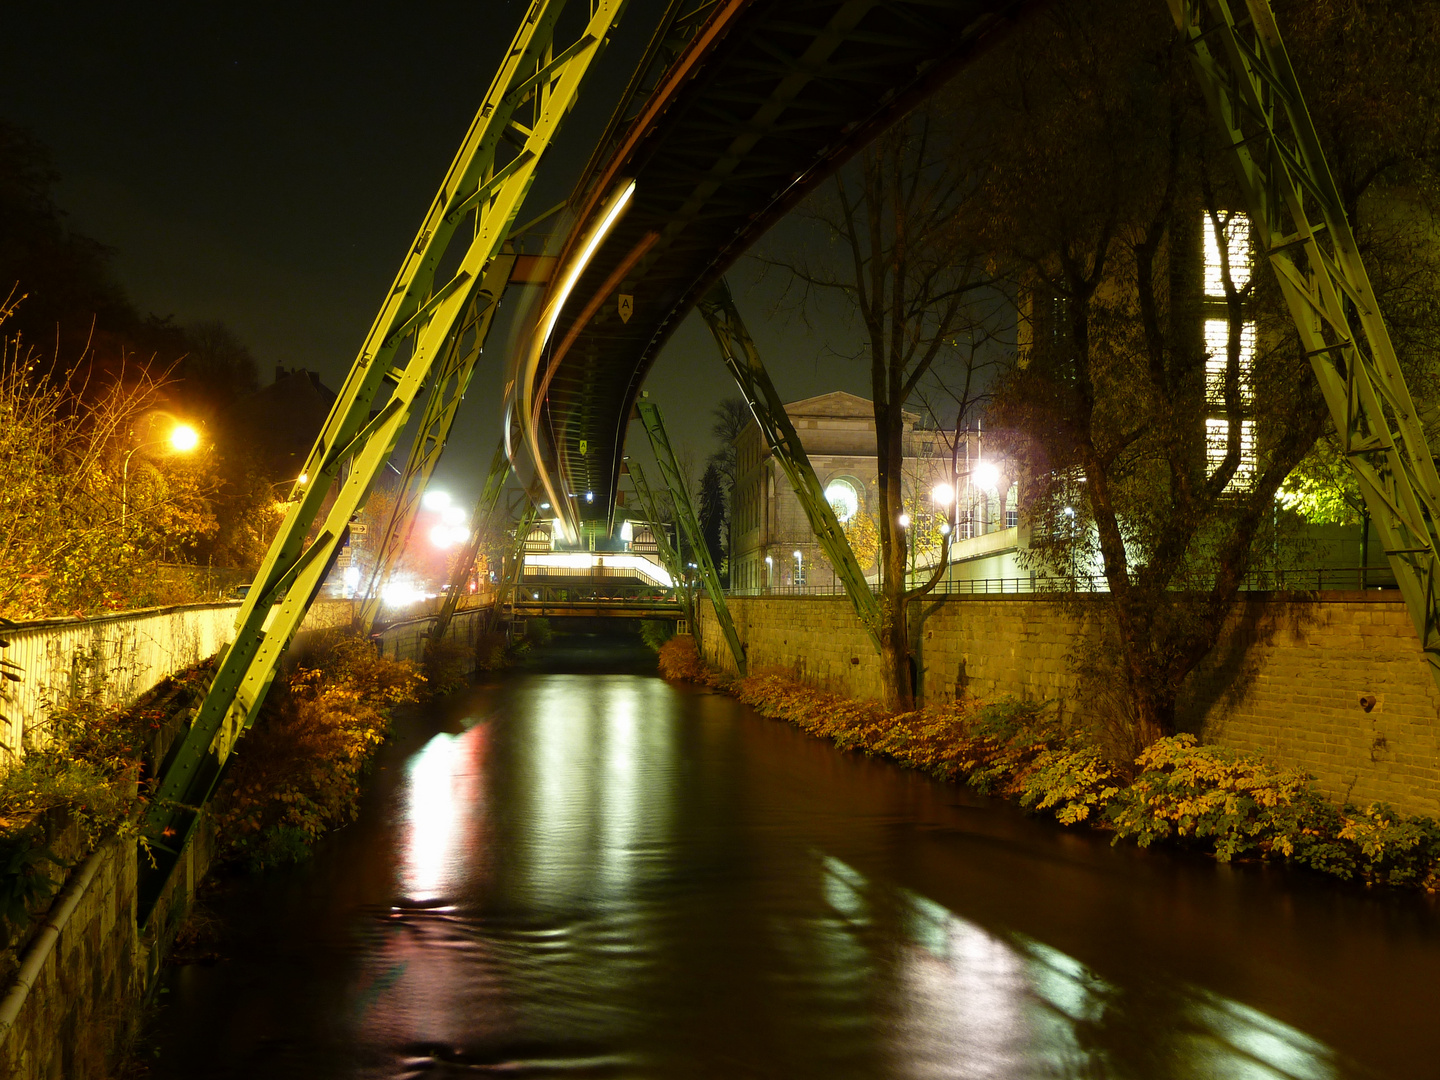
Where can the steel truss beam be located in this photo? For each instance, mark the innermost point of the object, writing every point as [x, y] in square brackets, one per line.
[742, 359]
[1300, 223]
[447, 391]
[685, 516]
[668, 555]
[511, 574]
[479, 527]
[420, 313]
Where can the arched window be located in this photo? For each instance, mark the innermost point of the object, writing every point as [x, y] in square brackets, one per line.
[844, 498]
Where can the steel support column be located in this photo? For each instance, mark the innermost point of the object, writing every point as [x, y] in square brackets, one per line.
[668, 555]
[742, 359]
[1299, 223]
[511, 574]
[685, 516]
[482, 190]
[448, 390]
[479, 526]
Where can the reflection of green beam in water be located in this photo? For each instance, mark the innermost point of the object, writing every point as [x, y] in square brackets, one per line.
[1034, 1007]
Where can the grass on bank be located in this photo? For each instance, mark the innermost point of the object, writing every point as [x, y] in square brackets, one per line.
[1233, 805]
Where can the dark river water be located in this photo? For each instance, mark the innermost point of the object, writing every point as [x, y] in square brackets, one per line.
[583, 871]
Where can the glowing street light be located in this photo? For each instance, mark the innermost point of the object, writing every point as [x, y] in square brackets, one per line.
[943, 495]
[904, 521]
[182, 438]
[986, 475]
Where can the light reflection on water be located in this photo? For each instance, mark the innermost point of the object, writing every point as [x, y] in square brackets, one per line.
[1005, 1005]
[603, 875]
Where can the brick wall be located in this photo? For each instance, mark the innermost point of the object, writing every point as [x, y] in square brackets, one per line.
[1287, 679]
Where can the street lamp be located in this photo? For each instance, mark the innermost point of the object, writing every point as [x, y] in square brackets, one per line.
[182, 439]
[769, 573]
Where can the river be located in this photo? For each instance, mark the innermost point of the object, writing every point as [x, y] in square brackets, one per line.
[580, 870]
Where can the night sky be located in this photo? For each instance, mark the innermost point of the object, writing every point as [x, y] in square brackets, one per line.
[267, 166]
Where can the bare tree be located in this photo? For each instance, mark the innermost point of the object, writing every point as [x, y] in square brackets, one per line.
[906, 269]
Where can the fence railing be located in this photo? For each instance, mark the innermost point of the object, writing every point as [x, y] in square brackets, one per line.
[112, 659]
[1314, 579]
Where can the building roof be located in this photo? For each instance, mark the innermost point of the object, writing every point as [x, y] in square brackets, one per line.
[838, 404]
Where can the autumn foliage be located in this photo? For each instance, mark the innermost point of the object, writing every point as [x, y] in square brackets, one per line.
[301, 770]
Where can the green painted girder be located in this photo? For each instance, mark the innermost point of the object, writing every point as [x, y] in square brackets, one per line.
[689, 524]
[742, 359]
[668, 555]
[511, 572]
[1300, 224]
[447, 391]
[483, 191]
[480, 521]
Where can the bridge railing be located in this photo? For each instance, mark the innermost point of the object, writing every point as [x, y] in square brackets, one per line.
[1313, 579]
[538, 593]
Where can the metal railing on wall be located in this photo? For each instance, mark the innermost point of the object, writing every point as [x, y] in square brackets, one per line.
[113, 659]
[1314, 579]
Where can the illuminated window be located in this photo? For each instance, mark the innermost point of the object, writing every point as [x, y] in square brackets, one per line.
[1217, 435]
[843, 497]
[1217, 345]
[1237, 231]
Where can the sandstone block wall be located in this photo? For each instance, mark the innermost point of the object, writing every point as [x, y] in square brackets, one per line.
[1290, 679]
[66, 1028]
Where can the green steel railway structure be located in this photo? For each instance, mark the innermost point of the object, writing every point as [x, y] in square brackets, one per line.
[737, 110]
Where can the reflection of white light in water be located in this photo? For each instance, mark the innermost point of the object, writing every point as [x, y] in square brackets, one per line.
[430, 817]
[966, 996]
[1012, 1006]
[600, 753]
[620, 794]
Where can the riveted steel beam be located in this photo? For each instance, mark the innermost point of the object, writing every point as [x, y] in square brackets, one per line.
[1299, 222]
[448, 389]
[416, 320]
[511, 572]
[668, 555]
[742, 360]
[685, 517]
[480, 520]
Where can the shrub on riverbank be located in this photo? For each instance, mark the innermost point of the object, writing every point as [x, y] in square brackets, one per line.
[656, 632]
[75, 786]
[300, 770]
[1229, 804]
[447, 666]
[679, 659]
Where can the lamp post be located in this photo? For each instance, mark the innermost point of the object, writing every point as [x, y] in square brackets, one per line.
[182, 438]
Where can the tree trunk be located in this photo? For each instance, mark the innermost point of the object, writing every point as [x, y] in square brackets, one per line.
[894, 633]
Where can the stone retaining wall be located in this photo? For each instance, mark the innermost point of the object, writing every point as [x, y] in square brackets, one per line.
[1287, 680]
